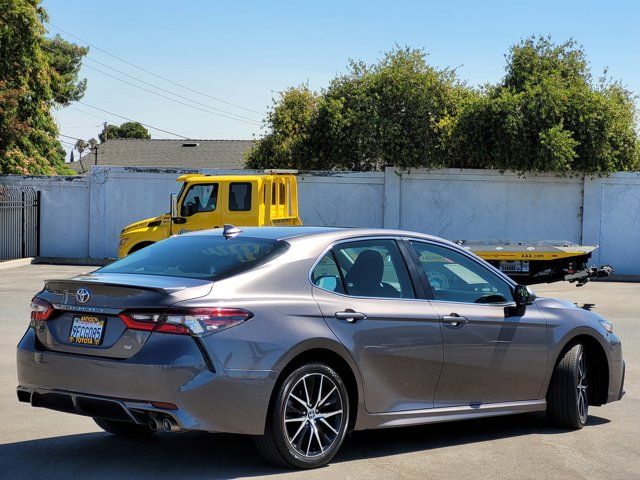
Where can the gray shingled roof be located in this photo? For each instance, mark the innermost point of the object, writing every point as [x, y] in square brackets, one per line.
[226, 154]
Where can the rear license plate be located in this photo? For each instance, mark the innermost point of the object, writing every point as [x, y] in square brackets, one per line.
[520, 266]
[87, 330]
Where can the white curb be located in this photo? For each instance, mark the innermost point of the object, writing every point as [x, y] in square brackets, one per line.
[18, 262]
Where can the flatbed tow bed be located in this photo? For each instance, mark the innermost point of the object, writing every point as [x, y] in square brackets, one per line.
[539, 262]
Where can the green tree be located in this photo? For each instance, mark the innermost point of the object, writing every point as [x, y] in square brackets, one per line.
[66, 60]
[288, 144]
[35, 76]
[398, 111]
[548, 115]
[126, 130]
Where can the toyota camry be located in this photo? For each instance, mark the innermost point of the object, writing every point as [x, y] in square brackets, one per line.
[297, 335]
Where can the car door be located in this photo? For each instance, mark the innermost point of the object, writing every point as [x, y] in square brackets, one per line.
[366, 294]
[491, 353]
[199, 208]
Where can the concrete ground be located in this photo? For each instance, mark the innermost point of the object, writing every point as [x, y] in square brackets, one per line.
[37, 443]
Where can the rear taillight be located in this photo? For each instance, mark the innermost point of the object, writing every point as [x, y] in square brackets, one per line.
[40, 309]
[186, 321]
[140, 320]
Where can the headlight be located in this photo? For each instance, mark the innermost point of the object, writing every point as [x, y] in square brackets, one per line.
[123, 240]
[608, 326]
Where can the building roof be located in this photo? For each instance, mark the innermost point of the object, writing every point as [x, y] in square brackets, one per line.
[225, 154]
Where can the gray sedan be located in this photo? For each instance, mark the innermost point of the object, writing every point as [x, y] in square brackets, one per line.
[297, 335]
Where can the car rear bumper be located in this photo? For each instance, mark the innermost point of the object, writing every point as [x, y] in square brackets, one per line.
[169, 368]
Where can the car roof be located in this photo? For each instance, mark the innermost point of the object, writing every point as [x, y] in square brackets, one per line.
[333, 233]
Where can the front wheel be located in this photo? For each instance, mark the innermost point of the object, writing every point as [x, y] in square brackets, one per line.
[308, 418]
[568, 396]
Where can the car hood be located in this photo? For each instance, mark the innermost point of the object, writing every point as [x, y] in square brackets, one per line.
[144, 223]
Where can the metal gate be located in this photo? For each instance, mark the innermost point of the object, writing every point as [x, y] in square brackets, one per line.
[19, 222]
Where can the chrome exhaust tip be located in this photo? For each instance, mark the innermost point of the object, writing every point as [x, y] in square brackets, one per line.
[153, 424]
[170, 425]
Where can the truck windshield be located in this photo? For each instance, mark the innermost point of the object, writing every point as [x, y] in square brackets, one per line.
[199, 256]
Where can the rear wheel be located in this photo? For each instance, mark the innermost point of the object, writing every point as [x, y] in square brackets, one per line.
[308, 418]
[123, 429]
[568, 396]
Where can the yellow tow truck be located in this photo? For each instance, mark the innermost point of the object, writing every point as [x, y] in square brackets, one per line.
[209, 201]
[271, 199]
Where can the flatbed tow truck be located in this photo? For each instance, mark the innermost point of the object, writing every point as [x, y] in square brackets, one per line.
[271, 198]
[539, 262]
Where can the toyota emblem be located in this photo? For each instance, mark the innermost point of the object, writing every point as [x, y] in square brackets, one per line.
[83, 295]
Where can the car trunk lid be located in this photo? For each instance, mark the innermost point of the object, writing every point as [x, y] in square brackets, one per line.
[93, 302]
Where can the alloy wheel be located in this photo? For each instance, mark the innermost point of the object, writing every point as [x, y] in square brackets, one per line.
[313, 415]
[581, 389]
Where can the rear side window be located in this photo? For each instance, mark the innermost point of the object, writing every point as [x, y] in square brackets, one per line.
[367, 268]
[326, 275]
[240, 197]
[199, 256]
[373, 268]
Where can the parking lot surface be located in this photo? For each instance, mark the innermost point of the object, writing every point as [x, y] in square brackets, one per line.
[42, 444]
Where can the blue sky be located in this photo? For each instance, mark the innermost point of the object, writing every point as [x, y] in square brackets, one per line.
[244, 52]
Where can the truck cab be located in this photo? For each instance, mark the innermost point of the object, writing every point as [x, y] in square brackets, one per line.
[210, 201]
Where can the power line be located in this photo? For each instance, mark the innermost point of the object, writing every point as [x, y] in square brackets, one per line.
[151, 73]
[68, 136]
[161, 89]
[158, 88]
[132, 120]
[249, 121]
[90, 114]
[239, 117]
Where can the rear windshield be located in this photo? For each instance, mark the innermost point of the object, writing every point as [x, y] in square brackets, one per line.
[199, 257]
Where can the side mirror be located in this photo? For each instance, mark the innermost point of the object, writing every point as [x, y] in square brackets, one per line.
[523, 295]
[174, 205]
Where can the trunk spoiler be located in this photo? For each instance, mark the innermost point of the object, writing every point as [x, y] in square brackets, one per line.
[159, 284]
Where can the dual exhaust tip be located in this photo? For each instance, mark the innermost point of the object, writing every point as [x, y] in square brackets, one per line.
[167, 424]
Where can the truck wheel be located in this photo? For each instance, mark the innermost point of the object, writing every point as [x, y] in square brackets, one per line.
[123, 429]
[567, 397]
[139, 246]
[307, 420]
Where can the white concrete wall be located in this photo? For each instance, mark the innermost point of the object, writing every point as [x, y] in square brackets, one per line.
[328, 199]
[612, 220]
[64, 213]
[481, 204]
[82, 216]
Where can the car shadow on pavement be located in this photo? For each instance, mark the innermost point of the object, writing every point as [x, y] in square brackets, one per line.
[222, 456]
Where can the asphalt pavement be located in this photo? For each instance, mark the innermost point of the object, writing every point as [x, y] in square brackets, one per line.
[42, 444]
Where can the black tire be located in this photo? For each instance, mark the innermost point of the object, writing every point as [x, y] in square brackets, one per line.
[123, 429]
[567, 397]
[308, 439]
[139, 246]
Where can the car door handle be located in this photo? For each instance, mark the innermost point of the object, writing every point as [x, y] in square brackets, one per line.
[454, 320]
[350, 315]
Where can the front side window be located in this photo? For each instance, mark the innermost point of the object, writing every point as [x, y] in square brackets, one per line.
[454, 277]
[239, 197]
[199, 256]
[373, 268]
[200, 198]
